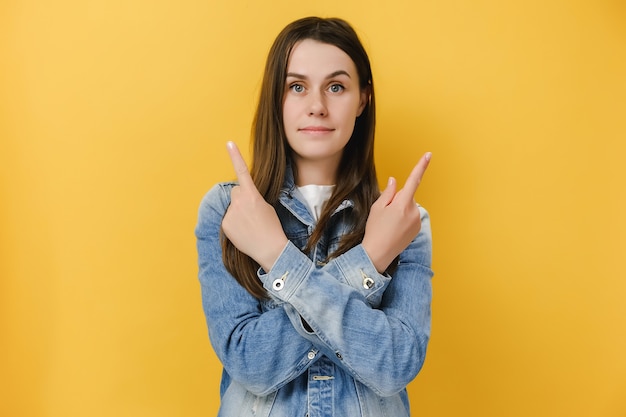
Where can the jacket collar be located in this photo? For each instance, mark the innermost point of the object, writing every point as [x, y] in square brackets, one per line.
[292, 199]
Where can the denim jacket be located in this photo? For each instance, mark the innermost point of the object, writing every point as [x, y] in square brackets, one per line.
[334, 338]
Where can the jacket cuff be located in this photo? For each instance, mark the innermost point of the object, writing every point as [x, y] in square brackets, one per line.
[361, 274]
[287, 273]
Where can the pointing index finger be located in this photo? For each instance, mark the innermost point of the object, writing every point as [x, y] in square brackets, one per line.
[415, 177]
[241, 169]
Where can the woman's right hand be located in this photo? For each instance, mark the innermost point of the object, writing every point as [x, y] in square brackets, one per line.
[250, 223]
[394, 219]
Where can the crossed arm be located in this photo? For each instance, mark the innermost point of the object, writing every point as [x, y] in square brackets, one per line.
[379, 339]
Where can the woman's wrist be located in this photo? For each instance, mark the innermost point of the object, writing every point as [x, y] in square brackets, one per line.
[273, 250]
[379, 260]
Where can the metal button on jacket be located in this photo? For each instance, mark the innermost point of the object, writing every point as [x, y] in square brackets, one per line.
[279, 283]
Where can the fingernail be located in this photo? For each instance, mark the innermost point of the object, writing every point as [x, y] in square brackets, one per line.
[428, 156]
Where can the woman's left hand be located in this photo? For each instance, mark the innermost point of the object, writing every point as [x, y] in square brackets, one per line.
[250, 223]
[394, 219]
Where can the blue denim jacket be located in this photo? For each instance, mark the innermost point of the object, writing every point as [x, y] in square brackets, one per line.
[334, 339]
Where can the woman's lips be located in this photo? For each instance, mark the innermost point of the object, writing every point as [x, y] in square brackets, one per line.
[316, 129]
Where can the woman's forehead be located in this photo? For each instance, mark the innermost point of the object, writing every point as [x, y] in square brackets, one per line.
[313, 57]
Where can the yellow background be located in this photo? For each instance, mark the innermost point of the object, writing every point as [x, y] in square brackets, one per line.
[113, 120]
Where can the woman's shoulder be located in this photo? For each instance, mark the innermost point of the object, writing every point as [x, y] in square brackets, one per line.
[423, 213]
[215, 202]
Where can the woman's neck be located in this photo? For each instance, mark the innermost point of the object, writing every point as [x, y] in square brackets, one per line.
[315, 172]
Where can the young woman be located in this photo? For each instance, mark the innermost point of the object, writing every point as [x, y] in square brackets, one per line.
[315, 286]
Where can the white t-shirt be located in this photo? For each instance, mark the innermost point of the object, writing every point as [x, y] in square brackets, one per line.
[315, 197]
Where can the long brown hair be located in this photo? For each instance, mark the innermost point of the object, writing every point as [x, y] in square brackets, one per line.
[356, 176]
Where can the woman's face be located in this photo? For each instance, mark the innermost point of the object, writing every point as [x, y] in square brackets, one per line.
[321, 102]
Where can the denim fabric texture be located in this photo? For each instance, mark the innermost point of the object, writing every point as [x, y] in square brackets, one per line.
[334, 339]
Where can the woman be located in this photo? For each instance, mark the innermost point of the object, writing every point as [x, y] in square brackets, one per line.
[315, 286]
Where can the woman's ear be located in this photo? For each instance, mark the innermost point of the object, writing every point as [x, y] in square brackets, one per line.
[364, 100]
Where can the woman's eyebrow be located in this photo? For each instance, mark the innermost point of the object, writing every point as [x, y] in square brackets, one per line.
[332, 75]
[337, 73]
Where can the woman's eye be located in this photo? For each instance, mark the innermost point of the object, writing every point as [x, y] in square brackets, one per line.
[336, 88]
[297, 88]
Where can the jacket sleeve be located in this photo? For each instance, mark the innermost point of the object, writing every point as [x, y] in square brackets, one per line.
[257, 344]
[382, 347]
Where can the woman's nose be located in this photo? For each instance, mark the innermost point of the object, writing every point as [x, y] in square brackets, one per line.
[317, 105]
